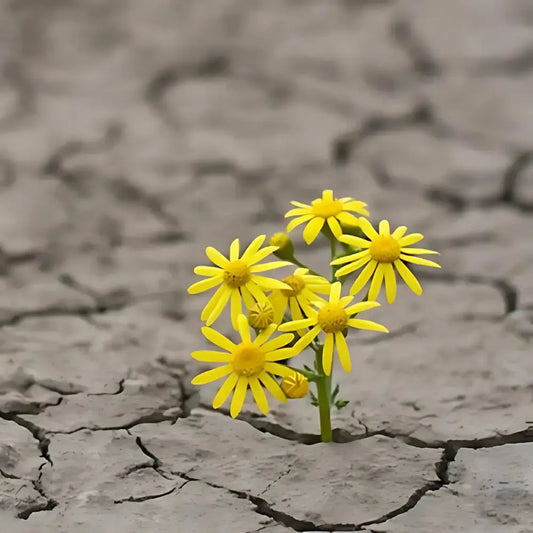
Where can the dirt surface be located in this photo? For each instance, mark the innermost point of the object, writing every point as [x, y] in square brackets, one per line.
[133, 134]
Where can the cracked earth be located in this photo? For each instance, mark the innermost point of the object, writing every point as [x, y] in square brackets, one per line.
[133, 134]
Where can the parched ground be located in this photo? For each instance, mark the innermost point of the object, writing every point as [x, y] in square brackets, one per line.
[134, 133]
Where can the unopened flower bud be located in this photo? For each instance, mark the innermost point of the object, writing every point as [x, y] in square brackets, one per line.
[261, 315]
[295, 385]
[285, 247]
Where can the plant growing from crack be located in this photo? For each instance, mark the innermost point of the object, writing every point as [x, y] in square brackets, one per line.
[304, 302]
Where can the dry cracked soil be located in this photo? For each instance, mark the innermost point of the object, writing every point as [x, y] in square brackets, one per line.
[134, 133]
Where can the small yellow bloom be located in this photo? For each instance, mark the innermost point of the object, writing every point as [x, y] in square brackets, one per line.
[249, 364]
[303, 289]
[379, 254]
[333, 318]
[283, 242]
[237, 278]
[261, 315]
[330, 209]
[295, 386]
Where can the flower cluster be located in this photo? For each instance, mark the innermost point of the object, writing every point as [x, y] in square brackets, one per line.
[303, 302]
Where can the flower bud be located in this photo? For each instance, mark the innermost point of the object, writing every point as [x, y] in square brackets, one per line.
[261, 315]
[295, 385]
[285, 247]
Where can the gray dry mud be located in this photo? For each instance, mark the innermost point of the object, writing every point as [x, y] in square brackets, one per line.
[134, 133]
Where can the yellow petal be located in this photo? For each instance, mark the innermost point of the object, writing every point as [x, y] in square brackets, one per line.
[384, 228]
[349, 258]
[361, 306]
[299, 204]
[277, 369]
[256, 292]
[261, 254]
[335, 227]
[327, 354]
[216, 257]
[211, 356]
[327, 194]
[212, 302]
[367, 228]
[212, 375]
[283, 353]
[408, 277]
[218, 339]
[352, 240]
[225, 390]
[253, 247]
[410, 239]
[312, 229]
[279, 304]
[204, 285]
[293, 325]
[347, 219]
[219, 305]
[348, 269]
[358, 207]
[399, 232]
[366, 324]
[377, 280]
[269, 266]
[269, 283]
[297, 221]
[363, 277]
[307, 338]
[299, 211]
[244, 328]
[249, 302]
[418, 251]
[419, 261]
[236, 307]
[208, 271]
[259, 395]
[234, 250]
[238, 396]
[272, 386]
[263, 337]
[390, 283]
[335, 292]
[344, 353]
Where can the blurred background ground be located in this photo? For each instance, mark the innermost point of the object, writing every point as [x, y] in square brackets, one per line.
[133, 134]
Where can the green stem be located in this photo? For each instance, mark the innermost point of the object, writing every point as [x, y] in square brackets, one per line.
[323, 385]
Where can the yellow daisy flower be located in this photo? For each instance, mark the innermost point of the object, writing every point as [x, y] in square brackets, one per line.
[379, 254]
[303, 289]
[330, 209]
[249, 364]
[238, 279]
[333, 318]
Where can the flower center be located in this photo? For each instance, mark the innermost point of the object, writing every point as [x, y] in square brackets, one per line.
[297, 284]
[332, 318]
[385, 249]
[236, 274]
[326, 208]
[248, 360]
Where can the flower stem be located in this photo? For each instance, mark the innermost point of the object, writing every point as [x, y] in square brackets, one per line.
[323, 386]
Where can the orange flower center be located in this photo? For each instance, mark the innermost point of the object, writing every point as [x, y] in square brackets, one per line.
[236, 274]
[296, 283]
[248, 360]
[332, 318]
[326, 208]
[385, 249]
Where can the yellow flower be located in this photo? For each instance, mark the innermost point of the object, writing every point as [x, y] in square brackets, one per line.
[261, 315]
[303, 289]
[333, 318]
[249, 364]
[379, 254]
[237, 278]
[295, 385]
[330, 209]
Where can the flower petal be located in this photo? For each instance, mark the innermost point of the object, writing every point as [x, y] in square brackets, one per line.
[377, 280]
[361, 306]
[238, 396]
[261, 254]
[204, 285]
[212, 375]
[313, 229]
[408, 277]
[384, 228]
[253, 247]
[259, 395]
[344, 353]
[244, 328]
[208, 271]
[269, 283]
[216, 257]
[327, 353]
[220, 304]
[256, 292]
[348, 219]
[265, 334]
[234, 250]
[335, 292]
[298, 211]
[348, 269]
[249, 302]
[335, 227]
[297, 221]
[390, 283]
[349, 258]
[282, 353]
[410, 239]
[399, 232]
[366, 324]
[211, 356]
[279, 304]
[419, 261]
[299, 204]
[367, 228]
[358, 207]
[277, 369]
[213, 301]
[218, 339]
[363, 277]
[224, 391]
[269, 266]
[236, 307]
[272, 386]
[307, 338]
[418, 251]
[352, 240]
[293, 325]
